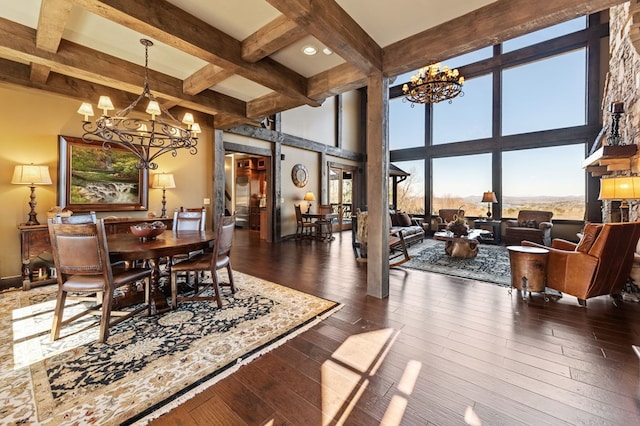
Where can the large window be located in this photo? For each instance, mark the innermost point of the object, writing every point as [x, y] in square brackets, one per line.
[544, 179]
[546, 94]
[458, 182]
[467, 117]
[406, 124]
[411, 191]
[545, 34]
[521, 129]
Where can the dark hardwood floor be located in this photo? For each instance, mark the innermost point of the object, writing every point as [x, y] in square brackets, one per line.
[436, 348]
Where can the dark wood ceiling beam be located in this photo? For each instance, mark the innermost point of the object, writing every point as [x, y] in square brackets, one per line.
[331, 25]
[17, 42]
[159, 20]
[204, 78]
[53, 18]
[492, 24]
[337, 80]
[276, 35]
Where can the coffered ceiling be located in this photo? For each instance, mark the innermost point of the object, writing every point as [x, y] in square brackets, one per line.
[242, 60]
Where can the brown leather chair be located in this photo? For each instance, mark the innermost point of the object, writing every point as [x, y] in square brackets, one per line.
[81, 256]
[600, 264]
[532, 225]
[445, 216]
[217, 259]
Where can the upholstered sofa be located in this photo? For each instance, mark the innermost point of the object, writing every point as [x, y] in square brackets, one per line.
[531, 225]
[411, 228]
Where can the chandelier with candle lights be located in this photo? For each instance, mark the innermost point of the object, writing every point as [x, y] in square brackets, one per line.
[146, 138]
[432, 84]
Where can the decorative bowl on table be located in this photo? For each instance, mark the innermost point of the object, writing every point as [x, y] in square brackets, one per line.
[148, 231]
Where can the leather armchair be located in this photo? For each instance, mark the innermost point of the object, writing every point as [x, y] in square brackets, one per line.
[600, 264]
[532, 225]
[445, 216]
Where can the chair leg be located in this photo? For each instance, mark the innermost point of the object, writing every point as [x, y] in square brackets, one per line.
[105, 319]
[147, 294]
[216, 287]
[174, 290]
[231, 283]
[61, 298]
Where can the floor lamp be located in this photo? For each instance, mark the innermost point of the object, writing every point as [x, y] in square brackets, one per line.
[29, 174]
[622, 188]
[164, 181]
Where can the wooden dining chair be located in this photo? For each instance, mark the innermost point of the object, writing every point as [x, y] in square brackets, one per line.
[211, 261]
[305, 228]
[324, 227]
[81, 257]
[188, 219]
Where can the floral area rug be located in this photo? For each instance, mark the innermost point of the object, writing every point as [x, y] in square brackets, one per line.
[149, 364]
[491, 263]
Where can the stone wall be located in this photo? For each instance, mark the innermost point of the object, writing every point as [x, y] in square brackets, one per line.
[622, 85]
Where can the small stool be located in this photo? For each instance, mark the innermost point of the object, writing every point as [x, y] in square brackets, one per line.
[528, 270]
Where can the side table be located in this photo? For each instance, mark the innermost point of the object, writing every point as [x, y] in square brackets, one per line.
[528, 270]
[489, 225]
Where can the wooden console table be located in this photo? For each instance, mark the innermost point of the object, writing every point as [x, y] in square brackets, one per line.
[35, 247]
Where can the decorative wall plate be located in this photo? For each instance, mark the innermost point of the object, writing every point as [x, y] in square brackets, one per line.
[299, 175]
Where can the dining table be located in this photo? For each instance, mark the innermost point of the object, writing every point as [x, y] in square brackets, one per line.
[326, 220]
[130, 248]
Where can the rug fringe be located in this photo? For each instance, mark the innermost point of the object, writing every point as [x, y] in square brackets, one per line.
[239, 363]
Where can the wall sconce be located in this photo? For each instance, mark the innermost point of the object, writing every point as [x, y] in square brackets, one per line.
[309, 197]
[489, 197]
[28, 174]
[621, 188]
[164, 181]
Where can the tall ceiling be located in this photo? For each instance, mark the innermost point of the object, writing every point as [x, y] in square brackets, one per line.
[242, 60]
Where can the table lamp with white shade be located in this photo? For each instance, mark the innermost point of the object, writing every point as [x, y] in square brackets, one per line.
[163, 181]
[622, 188]
[309, 197]
[32, 175]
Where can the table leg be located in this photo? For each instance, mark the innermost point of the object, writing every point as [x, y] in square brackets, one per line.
[157, 300]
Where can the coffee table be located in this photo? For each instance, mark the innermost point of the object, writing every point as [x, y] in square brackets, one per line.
[463, 247]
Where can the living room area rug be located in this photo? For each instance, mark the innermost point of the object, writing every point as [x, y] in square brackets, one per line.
[491, 264]
[149, 364]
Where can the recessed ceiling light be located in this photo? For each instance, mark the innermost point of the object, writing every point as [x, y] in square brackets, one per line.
[309, 50]
[327, 51]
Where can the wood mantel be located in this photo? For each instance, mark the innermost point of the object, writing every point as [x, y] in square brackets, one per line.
[608, 159]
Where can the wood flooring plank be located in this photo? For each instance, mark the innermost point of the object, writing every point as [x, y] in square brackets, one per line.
[512, 362]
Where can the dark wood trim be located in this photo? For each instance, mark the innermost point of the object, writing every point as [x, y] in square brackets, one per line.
[339, 120]
[295, 141]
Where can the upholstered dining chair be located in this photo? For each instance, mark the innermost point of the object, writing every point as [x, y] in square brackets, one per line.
[211, 261]
[81, 258]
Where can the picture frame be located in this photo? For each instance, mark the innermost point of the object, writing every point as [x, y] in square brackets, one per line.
[92, 178]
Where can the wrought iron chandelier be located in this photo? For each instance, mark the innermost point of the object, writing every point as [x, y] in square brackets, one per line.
[432, 84]
[146, 138]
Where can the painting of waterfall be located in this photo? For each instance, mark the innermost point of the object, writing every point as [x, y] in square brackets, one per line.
[98, 179]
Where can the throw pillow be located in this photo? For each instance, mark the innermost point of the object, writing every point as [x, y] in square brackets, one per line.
[404, 219]
[589, 235]
[528, 224]
[395, 221]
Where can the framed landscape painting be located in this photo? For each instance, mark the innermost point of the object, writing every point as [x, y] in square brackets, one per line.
[91, 178]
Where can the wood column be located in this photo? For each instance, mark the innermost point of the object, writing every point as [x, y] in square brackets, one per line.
[217, 208]
[378, 186]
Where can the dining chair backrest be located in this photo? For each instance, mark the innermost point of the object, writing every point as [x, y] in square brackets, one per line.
[224, 238]
[189, 219]
[298, 213]
[325, 209]
[77, 219]
[80, 249]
